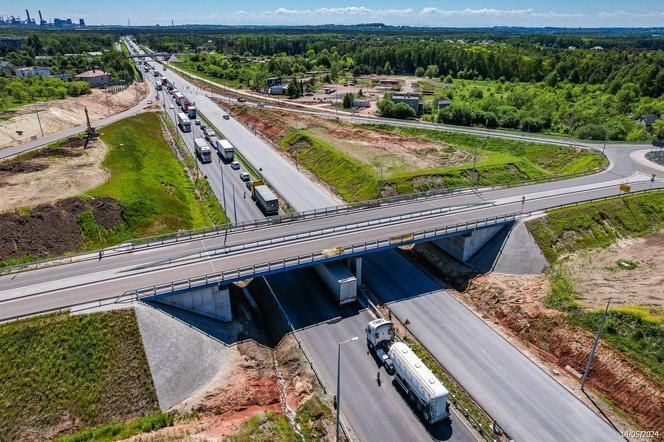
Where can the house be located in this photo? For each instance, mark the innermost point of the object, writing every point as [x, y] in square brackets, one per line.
[6, 67]
[95, 77]
[33, 71]
[411, 100]
[647, 121]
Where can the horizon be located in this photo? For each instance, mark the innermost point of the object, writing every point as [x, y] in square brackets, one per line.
[418, 13]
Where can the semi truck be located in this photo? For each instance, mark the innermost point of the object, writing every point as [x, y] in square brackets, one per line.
[225, 149]
[340, 280]
[164, 81]
[203, 151]
[179, 98]
[265, 199]
[183, 122]
[191, 111]
[424, 390]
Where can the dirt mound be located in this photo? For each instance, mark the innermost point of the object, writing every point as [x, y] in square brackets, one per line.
[15, 167]
[300, 378]
[515, 302]
[52, 229]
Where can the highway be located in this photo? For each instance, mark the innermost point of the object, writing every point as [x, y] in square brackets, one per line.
[508, 385]
[320, 325]
[232, 192]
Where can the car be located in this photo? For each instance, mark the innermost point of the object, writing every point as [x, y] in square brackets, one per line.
[241, 99]
[170, 106]
[244, 176]
[203, 127]
[226, 117]
[149, 101]
[235, 165]
[197, 122]
[261, 104]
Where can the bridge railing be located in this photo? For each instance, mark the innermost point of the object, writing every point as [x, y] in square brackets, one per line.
[216, 230]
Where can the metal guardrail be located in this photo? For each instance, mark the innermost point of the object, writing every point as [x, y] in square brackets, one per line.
[211, 231]
[272, 266]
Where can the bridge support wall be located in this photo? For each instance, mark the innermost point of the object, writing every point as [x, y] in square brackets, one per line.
[464, 246]
[213, 302]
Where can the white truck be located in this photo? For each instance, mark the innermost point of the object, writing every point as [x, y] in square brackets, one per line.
[425, 392]
[183, 122]
[340, 280]
[203, 151]
[225, 149]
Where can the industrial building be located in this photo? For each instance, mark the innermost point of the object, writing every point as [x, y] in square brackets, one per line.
[413, 101]
[11, 21]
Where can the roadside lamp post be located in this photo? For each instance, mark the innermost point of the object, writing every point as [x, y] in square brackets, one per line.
[354, 338]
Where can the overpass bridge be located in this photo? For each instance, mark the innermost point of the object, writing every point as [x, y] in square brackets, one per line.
[168, 266]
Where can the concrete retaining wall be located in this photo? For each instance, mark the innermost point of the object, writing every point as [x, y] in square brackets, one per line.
[213, 302]
[464, 246]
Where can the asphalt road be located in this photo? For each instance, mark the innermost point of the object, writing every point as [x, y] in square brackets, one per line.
[237, 203]
[376, 413]
[299, 191]
[528, 403]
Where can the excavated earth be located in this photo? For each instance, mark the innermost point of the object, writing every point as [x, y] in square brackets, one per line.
[52, 229]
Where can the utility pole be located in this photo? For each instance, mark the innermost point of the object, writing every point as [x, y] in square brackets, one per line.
[594, 349]
[339, 381]
[39, 120]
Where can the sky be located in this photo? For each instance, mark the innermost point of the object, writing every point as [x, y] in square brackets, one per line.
[456, 13]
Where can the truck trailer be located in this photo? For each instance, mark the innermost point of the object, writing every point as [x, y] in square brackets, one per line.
[225, 149]
[183, 122]
[191, 111]
[340, 280]
[425, 392]
[203, 151]
[266, 200]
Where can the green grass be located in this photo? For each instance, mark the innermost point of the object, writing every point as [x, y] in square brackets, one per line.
[61, 371]
[562, 295]
[598, 224]
[352, 180]
[500, 162]
[634, 332]
[266, 427]
[311, 418]
[121, 430]
[149, 182]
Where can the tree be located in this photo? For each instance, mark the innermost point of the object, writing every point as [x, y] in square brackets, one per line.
[419, 71]
[658, 129]
[348, 101]
[432, 71]
[294, 89]
[387, 69]
[448, 79]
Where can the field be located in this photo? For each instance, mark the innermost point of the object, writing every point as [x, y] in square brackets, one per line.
[365, 162]
[147, 192]
[610, 249]
[60, 373]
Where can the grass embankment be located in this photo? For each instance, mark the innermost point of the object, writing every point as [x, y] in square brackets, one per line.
[59, 373]
[213, 208]
[638, 332]
[266, 426]
[499, 162]
[149, 182]
[120, 431]
[311, 418]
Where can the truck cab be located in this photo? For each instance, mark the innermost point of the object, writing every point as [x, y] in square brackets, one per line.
[380, 336]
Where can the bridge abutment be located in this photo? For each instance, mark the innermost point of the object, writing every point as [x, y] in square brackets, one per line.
[464, 246]
[213, 302]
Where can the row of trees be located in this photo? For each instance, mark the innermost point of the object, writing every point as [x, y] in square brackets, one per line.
[17, 91]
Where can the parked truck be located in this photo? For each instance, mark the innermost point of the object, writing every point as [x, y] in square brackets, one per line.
[340, 280]
[203, 151]
[424, 390]
[183, 122]
[225, 149]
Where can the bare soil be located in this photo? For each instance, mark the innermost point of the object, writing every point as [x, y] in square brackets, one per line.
[63, 114]
[51, 174]
[515, 303]
[386, 152]
[598, 274]
[52, 229]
